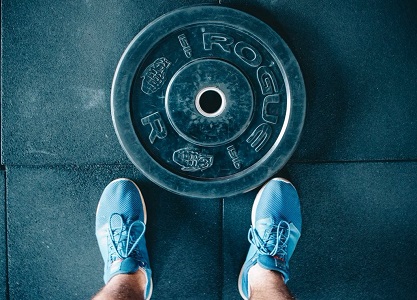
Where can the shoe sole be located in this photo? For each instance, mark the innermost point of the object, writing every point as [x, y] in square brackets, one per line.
[254, 207]
[145, 217]
[151, 283]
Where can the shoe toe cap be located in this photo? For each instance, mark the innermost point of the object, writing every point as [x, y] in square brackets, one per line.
[121, 196]
[279, 200]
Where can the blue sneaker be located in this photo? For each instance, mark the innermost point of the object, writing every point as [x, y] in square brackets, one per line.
[120, 231]
[275, 230]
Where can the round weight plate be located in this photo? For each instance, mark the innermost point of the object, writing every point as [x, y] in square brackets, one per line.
[208, 101]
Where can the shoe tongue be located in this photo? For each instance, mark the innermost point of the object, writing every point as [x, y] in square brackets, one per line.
[265, 227]
[120, 239]
[129, 265]
[121, 246]
[122, 266]
[271, 262]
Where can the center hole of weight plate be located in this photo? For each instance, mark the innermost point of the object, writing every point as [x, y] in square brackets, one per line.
[210, 102]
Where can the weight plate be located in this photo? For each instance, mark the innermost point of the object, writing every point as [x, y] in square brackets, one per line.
[208, 101]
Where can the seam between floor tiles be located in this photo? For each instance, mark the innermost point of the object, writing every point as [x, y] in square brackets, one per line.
[6, 237]
[90, 165]
[75, 166]
[222, 250]
[351, 161]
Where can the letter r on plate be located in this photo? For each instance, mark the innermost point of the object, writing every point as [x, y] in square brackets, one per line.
[222, 40]
[158, 129]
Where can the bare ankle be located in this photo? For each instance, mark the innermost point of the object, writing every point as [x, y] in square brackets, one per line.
[259, 277]
[267, 284]
[124, 286]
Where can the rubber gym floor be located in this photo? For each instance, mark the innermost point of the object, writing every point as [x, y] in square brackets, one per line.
[355, 167]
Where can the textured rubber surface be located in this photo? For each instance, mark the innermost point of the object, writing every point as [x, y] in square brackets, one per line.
[358, 60]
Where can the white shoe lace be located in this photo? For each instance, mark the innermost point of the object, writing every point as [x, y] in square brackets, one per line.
[275, 243]
[123, 239]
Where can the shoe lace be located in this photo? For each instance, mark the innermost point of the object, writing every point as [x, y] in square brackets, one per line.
[123, 239]
[276, 241]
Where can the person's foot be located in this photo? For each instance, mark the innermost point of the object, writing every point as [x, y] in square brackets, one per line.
[275, 230]
[120, 231]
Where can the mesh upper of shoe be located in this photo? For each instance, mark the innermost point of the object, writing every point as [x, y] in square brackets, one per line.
[121, 197]
[276, 227]
[279, 201]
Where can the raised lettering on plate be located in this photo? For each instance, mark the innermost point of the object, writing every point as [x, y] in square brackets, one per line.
[248, 54]
[222, 40]
[234, 156]
[260, 136]
[270, 100]
[185, 45]
[158, 129]
[267, 80]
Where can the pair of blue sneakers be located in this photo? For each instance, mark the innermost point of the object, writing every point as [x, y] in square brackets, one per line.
[121, 224]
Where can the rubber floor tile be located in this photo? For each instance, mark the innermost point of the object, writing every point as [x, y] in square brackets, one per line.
[358, 64]
[53, 251]
[58, 62]
[359, 235]
[3, 257]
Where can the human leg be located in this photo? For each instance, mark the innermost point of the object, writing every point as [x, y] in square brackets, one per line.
[267, 284]
[120, 229]
[124, 287]
[274, 233]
